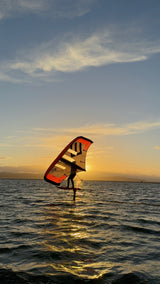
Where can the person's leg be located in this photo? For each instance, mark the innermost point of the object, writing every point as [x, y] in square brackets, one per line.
[72, 181]
[68, 181]
[73, 176]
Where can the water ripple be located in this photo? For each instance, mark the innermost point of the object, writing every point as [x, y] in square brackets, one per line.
[109, 235]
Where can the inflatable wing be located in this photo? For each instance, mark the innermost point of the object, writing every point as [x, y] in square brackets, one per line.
[73, 154]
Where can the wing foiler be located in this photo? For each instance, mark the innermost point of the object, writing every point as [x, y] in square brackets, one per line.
[73, 154]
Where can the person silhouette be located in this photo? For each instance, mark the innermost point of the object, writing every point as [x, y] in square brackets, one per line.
[72, 176]
[70, 179]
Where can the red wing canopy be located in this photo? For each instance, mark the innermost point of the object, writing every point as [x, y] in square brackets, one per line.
[73, 154]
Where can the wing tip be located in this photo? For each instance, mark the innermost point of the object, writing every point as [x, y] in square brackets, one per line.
[82, 137]
[50, 181]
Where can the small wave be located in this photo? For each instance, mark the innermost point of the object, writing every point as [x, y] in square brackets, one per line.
[141, 230]
[133, 278]
[15, 248]
[147, 221]
[5, 250]
[8, 276]
[53, 239]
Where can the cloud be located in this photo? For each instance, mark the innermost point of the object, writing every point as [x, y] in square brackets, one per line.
[46, 60]
[49, 8]
[4, 158]
[19, 169]
[94, 51]
[8, 77]
[10, 8]
[70, 8]
[5, 145]
[104, 151]
[105, 129]
[55, 137]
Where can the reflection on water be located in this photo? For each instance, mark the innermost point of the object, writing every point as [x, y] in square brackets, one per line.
[111, 229]
[67, 229]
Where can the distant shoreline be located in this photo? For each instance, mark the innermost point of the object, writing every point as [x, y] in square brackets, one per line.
[94, 180]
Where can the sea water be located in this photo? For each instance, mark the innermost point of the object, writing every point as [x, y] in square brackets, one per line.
[110, 234]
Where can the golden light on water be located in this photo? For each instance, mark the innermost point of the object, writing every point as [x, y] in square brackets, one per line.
[69, 231]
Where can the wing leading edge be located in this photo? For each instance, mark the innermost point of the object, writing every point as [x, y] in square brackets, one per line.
[74, 153]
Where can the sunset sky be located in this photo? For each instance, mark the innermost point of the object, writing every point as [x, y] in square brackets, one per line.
[80, 67]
